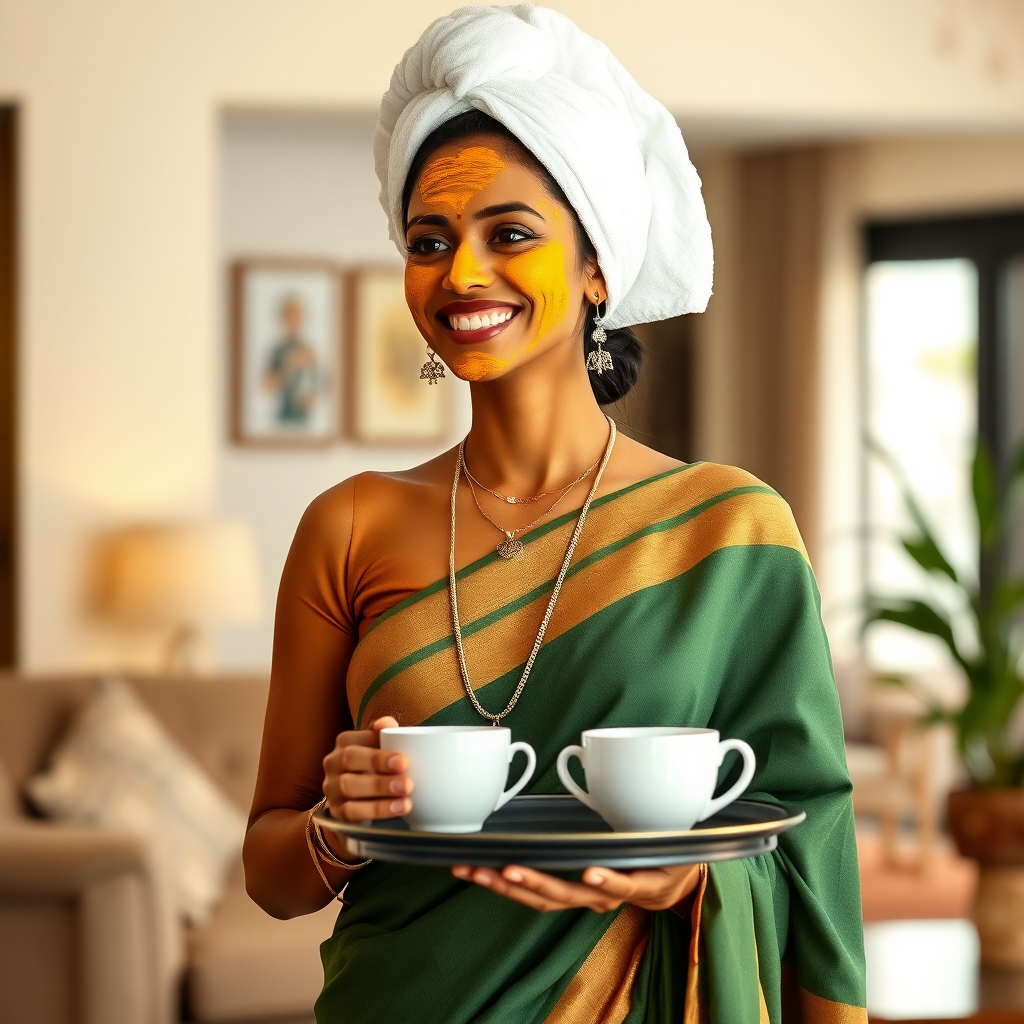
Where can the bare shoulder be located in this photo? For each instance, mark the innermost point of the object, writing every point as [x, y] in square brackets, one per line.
[435, 472]
[348, 497]
[373, 503]
[383, 494]
[633, 462]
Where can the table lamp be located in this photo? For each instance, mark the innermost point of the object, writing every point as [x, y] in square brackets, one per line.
[184, 578]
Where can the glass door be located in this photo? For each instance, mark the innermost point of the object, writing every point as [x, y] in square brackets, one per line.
[921, 411]
[943, 363]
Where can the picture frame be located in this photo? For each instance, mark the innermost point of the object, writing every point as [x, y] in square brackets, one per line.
[387, 402]
[287, 352]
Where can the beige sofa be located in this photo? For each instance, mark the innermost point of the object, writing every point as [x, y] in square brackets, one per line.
[87, 934]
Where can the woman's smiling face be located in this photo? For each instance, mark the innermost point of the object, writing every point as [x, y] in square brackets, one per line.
[493, 276]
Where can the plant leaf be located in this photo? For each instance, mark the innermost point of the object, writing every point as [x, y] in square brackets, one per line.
[1009, 596]
[926, 553]
[919, 616]
[890, 679]
[1017, 463]
[924, 548]
[986, 493]
[1017, 771]
[935, 715]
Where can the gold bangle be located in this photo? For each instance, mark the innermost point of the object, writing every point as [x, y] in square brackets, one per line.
[326, 853]
[312, 853]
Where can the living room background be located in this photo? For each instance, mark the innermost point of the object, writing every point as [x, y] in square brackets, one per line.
[121, 341]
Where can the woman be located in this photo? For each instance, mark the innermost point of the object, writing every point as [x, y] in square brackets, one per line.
[541, 197]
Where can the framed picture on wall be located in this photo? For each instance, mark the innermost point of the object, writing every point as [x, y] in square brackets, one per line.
[387, 402]
[286, 377]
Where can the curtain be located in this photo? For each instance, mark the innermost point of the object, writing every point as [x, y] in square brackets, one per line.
[779, 253]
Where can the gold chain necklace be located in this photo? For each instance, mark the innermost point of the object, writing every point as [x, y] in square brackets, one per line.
[511, 546]
[467, 685]
[511, 499]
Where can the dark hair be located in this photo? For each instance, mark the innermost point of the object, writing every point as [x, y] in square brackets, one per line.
[624, 346]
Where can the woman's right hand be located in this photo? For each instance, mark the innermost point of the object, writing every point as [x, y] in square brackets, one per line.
[363, 782]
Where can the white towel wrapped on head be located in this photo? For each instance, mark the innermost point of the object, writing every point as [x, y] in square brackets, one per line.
[616, 152]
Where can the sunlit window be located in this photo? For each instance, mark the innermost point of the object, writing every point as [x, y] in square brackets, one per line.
[922, 408]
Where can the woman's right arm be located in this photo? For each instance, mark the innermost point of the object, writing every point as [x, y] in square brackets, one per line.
[309, 748]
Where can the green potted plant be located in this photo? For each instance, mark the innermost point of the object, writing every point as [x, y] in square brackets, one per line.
[986, 819]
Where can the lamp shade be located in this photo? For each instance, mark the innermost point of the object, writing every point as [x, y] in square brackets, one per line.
[191, 574]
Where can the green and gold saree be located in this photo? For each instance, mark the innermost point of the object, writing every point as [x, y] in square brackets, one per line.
[690, 601]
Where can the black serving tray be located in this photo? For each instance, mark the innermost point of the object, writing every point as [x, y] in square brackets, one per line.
[560, 833]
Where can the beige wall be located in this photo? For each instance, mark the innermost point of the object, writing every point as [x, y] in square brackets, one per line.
[297, 185]
[120, 333]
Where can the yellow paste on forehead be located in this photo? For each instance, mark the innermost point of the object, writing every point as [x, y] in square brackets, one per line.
[477, 365]
[454, 180]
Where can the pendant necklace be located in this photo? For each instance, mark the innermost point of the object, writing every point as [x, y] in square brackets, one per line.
[513, 500]
[512, 546]
[467, 685]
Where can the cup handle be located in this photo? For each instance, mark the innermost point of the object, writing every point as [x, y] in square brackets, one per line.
[562, 766]
[531, 764]
[749, 764]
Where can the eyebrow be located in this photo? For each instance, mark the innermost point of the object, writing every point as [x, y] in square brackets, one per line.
[433, 219]
[500, 208]
[438, 220]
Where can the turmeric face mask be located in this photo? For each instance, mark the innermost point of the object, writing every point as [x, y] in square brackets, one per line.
[474, 365]
[540, 274]
[454, 180]
[492, 276]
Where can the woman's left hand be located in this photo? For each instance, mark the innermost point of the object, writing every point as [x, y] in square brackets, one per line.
[601, 889]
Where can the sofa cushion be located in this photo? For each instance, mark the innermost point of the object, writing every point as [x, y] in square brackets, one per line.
[118, 768]
[245, 964]
[34, 716]
[217, 719]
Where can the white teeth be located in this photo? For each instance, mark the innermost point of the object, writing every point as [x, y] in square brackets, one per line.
[476, 321]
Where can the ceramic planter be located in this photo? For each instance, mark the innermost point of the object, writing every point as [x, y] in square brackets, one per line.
[988, 826]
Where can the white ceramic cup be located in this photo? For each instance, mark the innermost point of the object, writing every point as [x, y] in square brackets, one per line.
[458, 772]
[653, 779]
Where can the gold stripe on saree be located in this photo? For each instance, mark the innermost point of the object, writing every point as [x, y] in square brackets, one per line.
[762, 1005]
[489, 587]
[431, 682]
[695, 1005]
[600, 992]
[818, 1010]
[802, 1007]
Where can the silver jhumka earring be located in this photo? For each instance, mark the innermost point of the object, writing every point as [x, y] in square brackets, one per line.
[432, 371]
[598, 359]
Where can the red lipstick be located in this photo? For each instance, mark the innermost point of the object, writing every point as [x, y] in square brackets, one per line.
[456, 317]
